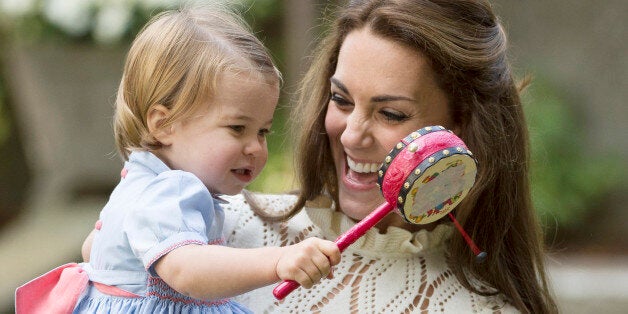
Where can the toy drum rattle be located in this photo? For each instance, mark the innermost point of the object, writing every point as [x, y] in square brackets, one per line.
[425, 176]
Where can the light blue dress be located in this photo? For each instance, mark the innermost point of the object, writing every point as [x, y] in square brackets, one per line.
[152, 211]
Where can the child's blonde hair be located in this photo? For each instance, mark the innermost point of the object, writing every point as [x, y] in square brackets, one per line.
[175, 61]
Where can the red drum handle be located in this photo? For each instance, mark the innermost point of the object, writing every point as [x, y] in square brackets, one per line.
[284, 288]
[343, 241]
[359, 229]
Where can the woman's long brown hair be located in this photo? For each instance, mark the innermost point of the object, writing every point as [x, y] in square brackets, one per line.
[466, 45]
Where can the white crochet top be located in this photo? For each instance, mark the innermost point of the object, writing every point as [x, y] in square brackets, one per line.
[392, 272]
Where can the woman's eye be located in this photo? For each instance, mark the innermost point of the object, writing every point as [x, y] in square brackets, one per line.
[339, 100]
[237, 128]
[394, 116]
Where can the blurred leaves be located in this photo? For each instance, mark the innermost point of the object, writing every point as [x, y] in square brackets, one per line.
[105, 22]
[569, 178]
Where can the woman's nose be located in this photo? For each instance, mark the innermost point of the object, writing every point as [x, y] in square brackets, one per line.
[357, 133]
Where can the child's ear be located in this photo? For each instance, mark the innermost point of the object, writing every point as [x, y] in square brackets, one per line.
[157, 115]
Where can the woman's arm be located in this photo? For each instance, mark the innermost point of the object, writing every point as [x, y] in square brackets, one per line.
[210, 272]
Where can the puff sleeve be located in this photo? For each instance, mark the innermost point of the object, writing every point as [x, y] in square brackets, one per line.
[175, 209]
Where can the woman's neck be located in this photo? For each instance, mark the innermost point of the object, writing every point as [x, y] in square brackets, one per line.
[394, 220]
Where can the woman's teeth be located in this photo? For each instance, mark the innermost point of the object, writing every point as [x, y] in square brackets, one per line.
[362, 167]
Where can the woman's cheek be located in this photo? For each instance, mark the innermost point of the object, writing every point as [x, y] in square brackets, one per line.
[335, 122]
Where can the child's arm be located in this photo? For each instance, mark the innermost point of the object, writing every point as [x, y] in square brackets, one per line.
[212, 272]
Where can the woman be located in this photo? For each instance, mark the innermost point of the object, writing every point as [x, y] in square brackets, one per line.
[387, 68]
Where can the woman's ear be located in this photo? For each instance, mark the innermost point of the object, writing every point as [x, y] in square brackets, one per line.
[156, 117]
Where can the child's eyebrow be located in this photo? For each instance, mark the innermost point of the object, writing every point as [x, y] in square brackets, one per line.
[245, 118]
[237, 117]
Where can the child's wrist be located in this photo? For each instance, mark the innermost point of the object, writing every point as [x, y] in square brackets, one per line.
[276, 252]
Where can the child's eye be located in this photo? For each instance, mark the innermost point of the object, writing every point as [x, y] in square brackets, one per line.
[393, 116]
[237, 128]
[264, 132]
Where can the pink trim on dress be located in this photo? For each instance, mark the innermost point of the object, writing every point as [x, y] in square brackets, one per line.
[170, 248]
[219, 241]
[114, 291]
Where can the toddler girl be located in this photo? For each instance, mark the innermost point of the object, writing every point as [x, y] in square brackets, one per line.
[193, 110]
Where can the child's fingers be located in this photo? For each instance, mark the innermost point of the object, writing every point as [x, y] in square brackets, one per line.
[315, 268]
[305, 279]
[308, 261]
[304, 276]
[331, 250]
[328, 255]
[322, 264]
[318, 266]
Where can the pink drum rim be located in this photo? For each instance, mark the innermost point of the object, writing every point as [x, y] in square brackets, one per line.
[413, 156]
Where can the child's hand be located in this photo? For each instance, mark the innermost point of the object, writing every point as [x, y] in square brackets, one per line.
[308, 261]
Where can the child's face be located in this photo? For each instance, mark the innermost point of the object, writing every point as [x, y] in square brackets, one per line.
[224, 144]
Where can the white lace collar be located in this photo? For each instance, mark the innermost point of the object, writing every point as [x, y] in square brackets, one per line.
[395, 242]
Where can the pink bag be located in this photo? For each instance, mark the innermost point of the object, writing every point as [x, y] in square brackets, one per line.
[57, 291]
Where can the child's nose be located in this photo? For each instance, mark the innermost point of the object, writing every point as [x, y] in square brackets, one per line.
[255, 147]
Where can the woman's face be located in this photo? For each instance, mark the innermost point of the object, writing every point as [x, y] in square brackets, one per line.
[381, 91]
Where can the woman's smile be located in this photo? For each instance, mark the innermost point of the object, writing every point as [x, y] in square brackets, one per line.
[360, 175]
[362, 167]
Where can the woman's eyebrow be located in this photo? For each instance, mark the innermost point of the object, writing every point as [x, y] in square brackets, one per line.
[379, 98]
[339, 84]
[386, 98]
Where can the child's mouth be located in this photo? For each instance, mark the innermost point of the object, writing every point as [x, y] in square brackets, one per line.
[242, 174]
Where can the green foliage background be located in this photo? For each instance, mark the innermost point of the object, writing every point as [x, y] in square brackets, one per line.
[569, 180]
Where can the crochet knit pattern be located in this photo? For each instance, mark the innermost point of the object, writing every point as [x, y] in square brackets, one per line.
[392, 272]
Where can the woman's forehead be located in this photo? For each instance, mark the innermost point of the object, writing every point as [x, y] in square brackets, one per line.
[370, 60]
